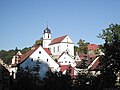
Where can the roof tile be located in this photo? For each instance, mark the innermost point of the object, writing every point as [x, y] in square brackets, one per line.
[57, 40]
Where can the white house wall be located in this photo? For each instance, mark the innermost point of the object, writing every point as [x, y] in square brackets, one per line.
[68, 47]
[65, 59]
[45, 60]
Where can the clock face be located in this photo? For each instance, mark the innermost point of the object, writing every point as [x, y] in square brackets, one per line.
[45, 30]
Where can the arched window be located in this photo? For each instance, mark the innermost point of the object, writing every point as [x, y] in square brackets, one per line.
[48, 36]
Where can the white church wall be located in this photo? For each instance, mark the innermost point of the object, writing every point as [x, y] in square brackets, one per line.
[58, 49]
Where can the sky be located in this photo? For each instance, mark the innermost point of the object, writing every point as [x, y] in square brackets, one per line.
[22, 22]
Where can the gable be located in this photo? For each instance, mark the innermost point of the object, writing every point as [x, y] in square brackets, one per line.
[23, 57]
[40, 55]
[57, 40]
[67, 40]
[65, 59]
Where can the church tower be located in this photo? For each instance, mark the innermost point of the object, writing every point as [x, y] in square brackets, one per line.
[47, 37]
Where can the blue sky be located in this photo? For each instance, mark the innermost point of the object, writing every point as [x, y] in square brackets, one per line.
[23, 21]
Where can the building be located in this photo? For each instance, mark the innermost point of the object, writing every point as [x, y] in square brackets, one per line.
[36, 56]
[58, 45]
[61, 48]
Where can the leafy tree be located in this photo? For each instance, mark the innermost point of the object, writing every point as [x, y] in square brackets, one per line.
[82, 46]
[76, 49]
[86, 81]
[110, 62]
[58, 81]
[6, 56]
[26, 49]
[39, 42]
[28, 79]
[84, 63]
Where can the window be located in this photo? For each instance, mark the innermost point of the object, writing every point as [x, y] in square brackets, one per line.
[54, 49]
[58, 48]
[47, 60]
[65, 61]
[67, 45]
[48, 36]
[39, 52]
[44, 35]
[67, 39]
[64, 57]
[69, 62]
[38, 57]
[32, 59]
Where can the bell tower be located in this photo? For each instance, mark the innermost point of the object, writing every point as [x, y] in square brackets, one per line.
[47, 37]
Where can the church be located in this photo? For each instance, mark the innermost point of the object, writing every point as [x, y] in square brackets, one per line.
[58, 45]
[56, 54]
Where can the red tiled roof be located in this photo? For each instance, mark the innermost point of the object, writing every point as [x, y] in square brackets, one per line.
[48, 51]
[26, 55]
[66, 67]
[92, 46]
[94, 66]
[57, 40]
[83, 56]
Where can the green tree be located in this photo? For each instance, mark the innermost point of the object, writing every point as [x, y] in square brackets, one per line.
[110, 62]
[6, 56]
[39, 42]
[26, 49]
[82, 46]
[28, 79]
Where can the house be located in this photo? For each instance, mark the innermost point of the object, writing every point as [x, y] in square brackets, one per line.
[66, 59]
[93, 49]
[61, 48]
[37, 55]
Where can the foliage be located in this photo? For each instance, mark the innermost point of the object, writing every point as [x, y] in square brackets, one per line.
[84, 63]
[39, 42]
[28, 79]
[110, 62]
[26, 49]
[7, 56]
[111, 33]
[82, 46]
[58, 81]
[86, 81]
